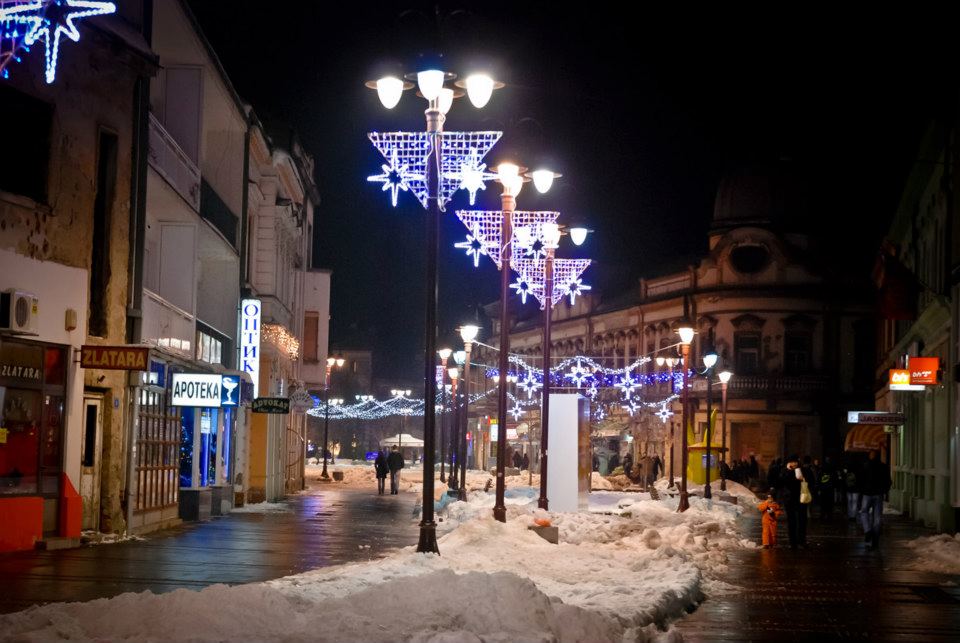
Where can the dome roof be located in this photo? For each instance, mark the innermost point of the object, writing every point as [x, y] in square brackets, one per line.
[769, 196]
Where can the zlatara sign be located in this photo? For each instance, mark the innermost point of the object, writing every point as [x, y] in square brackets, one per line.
[250, 340]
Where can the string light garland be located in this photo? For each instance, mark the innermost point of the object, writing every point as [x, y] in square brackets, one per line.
[281, 338]
[47, 21]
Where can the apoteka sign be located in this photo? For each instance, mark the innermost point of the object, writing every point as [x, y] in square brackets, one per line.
[250, 340]
[196, 389]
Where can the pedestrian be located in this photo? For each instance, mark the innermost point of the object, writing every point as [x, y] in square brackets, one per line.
[754, 470]
[394, 463]
[381, 468]
[826, 489]
[656, 466]
[525, 463]
[873, 482]
[517, 459]
[770, 512]
[627, 464]
[613, 463]
[773, 476]
[795, 495]
[853, 493]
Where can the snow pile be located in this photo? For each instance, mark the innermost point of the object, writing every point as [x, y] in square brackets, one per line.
[597, 481]
[744, 496]
[263, 508]
[94, 537]
[940, 553]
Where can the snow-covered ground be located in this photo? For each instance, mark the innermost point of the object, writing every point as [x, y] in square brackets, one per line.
[622, 571]
[940, 553]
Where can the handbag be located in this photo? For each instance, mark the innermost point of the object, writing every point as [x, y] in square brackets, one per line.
[805, 496]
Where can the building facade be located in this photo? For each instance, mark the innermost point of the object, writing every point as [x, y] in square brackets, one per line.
[797, 335]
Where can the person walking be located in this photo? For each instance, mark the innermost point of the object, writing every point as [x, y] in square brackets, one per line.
[795, 494]
[773, 476]
[874, 483]
[381, 469]
[627, 464]
[753, 470]
[525, 463]
[853, 492]
[394, 464]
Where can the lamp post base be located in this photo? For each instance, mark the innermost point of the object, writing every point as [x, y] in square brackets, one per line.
[543, 503]
[323, 474]
[428, 539]
[707, 492]
[500, 513]
[462, 494]
[723, 484]
[684, 502]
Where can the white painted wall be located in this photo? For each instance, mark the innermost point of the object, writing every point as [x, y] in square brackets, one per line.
[58, 288]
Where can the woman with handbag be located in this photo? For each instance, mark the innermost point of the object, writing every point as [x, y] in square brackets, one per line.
[795, 496]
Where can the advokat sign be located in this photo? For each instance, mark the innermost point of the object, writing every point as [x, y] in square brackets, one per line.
[279, 405]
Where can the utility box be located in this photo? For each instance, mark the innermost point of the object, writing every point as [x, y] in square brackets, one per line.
[568, 452]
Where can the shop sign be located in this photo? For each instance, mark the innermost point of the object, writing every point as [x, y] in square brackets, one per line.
[196, 389]
[875, 417]
[300, 400]
[924, 370]
[900, 381]
[19, 372]
[278, 405]
[250, 340]
[116, 358]
[229, 395]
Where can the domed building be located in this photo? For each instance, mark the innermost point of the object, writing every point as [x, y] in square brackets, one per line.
[797, 334]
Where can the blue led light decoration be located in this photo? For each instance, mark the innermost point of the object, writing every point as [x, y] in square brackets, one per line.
[529, 384]
[407, 152]
[664, 413]
[578, 374]
[485, 227]
[474, 245]
[47, 20]
[472, 175]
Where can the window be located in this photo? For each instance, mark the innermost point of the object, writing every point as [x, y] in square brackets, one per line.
[311, 326]
[209, 348]
[100, 248]
[796, 352]
[747, 351]
[26, 143]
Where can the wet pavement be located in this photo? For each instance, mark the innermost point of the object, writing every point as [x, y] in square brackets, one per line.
[324, 527]
[836, 589]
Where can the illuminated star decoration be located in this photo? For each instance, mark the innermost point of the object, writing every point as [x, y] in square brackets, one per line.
[474, 245]
[516, 412]
[627, 384]
[664, 413]
[592, 390]
[578, 374]
[632, 407]
[529, 384]
[576, 287]
[395, 177]
[523, 288]
[49, 20]
[472, 175]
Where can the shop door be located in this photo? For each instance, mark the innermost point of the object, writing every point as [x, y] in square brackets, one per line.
[90, 450]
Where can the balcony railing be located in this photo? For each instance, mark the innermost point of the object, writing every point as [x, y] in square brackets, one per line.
[769, 384]
[173, 164]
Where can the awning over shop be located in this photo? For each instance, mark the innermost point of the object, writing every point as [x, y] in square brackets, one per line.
[864, 437]
[405, 440]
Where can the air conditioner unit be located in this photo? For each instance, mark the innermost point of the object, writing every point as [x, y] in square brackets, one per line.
[19, 312]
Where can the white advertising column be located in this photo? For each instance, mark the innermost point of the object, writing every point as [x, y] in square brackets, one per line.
[568, 464]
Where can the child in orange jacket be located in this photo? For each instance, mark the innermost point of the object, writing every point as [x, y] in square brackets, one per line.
[771, 511]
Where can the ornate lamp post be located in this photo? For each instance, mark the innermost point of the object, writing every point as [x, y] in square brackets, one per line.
[709, 361]
[670, 362]
[444, 354]
[725, 376]
[551, 241]
[686, 333]
[454, 373]
[331, 362]
[417, 162]
[468, 333]
[459, 357]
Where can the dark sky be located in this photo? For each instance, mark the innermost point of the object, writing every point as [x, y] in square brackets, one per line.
[642, 111]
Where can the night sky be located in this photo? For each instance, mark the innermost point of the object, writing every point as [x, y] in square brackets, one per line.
[642, 111]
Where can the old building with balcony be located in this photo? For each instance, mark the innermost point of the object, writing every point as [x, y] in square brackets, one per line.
[796, 332]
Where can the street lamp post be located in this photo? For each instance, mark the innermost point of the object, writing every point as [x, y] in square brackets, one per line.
[331, 362]
[709, 361]
[686, 333]
[468, 333]
[725, 376]
[454, 374]
[444, 354]
[670, 362]
[551, 240]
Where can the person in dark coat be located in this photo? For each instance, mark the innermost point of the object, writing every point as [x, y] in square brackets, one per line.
[613, 463]
[873, 483]
[790, 486]
[517, 459]
[754, 470]
[773, 476]
[382, 469]
[525, 463]
[627, 464]
[394, 463]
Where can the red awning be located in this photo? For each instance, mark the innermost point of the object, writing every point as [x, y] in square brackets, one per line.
[864, 437]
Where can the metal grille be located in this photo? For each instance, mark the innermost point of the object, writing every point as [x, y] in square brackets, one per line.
[158, 442]
[485, 226]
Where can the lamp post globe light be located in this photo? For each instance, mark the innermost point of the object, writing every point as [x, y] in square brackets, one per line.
[686, 332]
[724, 376]
[468, 333]
[332, 362]
[417, 162]
[709, 361]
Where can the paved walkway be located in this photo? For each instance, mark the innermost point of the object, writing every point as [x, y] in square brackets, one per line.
[836, 589]
[324, 527]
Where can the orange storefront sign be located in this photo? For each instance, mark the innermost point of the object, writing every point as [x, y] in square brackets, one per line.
[899, 377]
[123, 358]
[923, 370]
